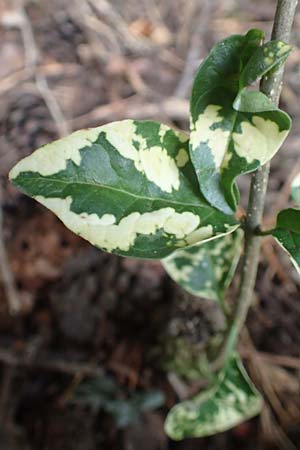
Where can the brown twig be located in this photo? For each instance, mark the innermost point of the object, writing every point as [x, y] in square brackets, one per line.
[5, 393]
[277, 360]
[6, 275]
[172, 108]
[273, 430]
[98, 33]
[273, 260]
[31, 50]
[47, 70]
[49, 362]
[31, 64]
[114, 18]
[258, 367]
[196, 49]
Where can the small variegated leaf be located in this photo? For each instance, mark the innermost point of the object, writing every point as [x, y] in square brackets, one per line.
[295, 190]
[233, 132]
[264, 59]
[226, 143]
[206, 269]
[223, 65]
[230, 401]
[287, 233]
[127, 187]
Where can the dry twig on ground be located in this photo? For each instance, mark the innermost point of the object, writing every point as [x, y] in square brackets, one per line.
[6, 275]
[50, 363]
[19, 19]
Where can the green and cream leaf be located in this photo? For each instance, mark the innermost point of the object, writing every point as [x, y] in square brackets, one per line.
[264, 59]
[231, 400]
[127, 187]
[206, 269]
[222, 67]
[287, 234]
[295, 190]
[232, 131]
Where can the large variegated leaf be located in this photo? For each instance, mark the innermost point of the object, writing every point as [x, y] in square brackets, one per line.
[228, 140]
[206, 269]
[230, 401]
[287, 233]
[127, 187]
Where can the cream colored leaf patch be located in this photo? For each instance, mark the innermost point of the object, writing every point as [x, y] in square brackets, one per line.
[295, 190]
[52, 158]
[258, 141]
[158, 167]
[103, 231]
[202, 234]
[205, 131]
[154, 161]
[182, 157]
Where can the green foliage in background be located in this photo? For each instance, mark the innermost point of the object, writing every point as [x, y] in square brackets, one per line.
[103, 394]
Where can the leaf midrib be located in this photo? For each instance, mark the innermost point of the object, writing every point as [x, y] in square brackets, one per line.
[125, 192]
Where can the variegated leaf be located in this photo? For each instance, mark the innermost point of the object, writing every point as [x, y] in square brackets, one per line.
[233, 132]
[230, 401]
[127, 187]
[206, 269]
[287, 234]
[264, 59]
[295, 190]
[222, 67]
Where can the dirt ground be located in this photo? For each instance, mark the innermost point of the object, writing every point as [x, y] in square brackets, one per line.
[82, 362]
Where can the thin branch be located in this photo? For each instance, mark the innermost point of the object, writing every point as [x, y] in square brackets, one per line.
[271, 86]
[171, 108]
[195, 50]
[49, 362]
[32, 57]
[290, 362]
[6, 276]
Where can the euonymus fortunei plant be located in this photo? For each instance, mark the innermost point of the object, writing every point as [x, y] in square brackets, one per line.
[142, 189]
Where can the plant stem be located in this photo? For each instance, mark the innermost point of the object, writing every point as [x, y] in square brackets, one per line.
[271, 86]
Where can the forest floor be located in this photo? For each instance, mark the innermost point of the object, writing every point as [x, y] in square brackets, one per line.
[82, 362]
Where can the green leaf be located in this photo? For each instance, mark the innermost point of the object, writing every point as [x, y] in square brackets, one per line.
[231, 400]
[127, 187]
[103, 393]
[128, 411]
[287, 233]
[252, 102]
[223, 65]
[206, 269]
[232, 131]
